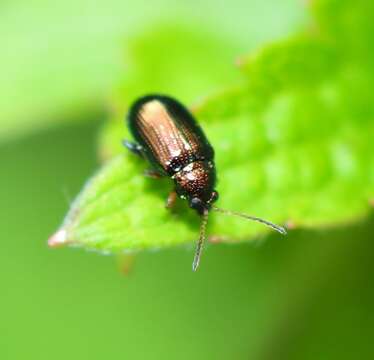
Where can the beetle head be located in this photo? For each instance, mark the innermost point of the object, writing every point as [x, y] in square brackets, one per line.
[196, 182]
[201, 204]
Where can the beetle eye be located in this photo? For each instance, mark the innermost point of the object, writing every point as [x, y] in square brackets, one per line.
[195, 203]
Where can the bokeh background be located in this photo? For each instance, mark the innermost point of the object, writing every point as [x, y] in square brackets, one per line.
[308, 296]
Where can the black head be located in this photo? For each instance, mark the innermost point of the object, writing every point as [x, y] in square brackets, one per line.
[200, 205]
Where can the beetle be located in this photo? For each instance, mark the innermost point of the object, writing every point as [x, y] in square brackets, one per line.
[170, 139]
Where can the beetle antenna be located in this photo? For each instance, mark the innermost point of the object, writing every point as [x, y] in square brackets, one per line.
[200, 243]
[275, 227]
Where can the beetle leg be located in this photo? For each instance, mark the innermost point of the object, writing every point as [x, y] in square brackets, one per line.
[170, 201]
[133, 147]
[152, 173]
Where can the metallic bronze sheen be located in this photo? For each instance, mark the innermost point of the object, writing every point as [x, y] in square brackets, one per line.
[171, 140]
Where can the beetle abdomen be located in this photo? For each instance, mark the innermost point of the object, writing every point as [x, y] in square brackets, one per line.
[170, 137]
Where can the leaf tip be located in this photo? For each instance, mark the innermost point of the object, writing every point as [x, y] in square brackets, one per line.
[59, 238]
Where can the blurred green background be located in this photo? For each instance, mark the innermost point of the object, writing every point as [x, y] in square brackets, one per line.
[308, 296]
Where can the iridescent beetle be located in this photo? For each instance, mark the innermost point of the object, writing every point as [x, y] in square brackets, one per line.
[168, 136]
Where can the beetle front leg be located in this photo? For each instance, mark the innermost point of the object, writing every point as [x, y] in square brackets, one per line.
[171, 200]
[152, 173]
[133, 147]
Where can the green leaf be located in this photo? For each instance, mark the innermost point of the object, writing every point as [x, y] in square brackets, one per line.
[348, 23]
[58, 65]
[293, 144]
[120, 209]
[200, 63]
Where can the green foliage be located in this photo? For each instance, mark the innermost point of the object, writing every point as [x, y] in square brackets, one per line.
[60, 61]
[200, 64]
[292, 139]
[170, 57]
